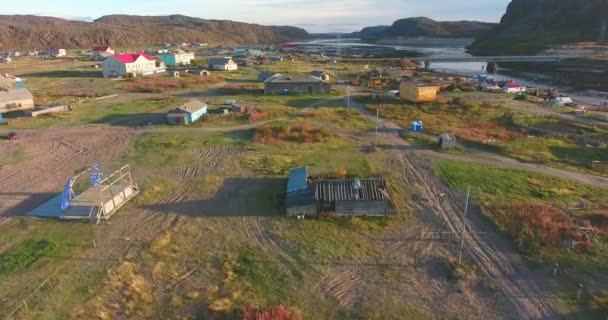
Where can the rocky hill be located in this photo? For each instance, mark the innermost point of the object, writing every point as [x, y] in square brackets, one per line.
[534, 25]
[425, 27]
[35, 32]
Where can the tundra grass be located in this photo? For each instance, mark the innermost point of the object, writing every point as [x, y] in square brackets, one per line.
[497, 185]
[133, 112]
[170, 149]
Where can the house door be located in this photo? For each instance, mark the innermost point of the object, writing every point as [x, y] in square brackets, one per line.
[178, 121]
[309, 90]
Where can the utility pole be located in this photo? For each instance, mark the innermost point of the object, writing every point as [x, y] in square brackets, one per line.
[464, 224]
[348, 98]
[377, 123]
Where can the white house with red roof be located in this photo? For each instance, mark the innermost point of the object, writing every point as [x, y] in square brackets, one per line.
[129, 64]
[513, 87]
[102, 52]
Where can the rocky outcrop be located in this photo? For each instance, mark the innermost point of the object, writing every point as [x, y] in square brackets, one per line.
[531, 26]
[34, 32]
[425, 27]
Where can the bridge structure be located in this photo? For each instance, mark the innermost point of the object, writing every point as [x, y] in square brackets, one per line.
[492, 61]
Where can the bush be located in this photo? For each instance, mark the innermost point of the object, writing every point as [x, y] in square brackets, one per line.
[278, 313]
[303, 133]
[537, 225]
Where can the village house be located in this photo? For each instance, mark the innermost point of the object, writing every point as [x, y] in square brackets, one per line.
[187, 113]
[289, 84]
[129, 64]
[513, 87]
[102, 52]
[324, 76]
[178, 57]
[561, 101]
[54, 52]
[222, 64]
[417, 91]
[348, 197]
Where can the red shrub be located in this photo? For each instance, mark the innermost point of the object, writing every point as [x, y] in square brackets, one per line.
[278, 313]
[533, 222]
[258, 116]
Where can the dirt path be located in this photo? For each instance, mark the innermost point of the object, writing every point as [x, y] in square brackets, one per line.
[496, 258]
[392, 130]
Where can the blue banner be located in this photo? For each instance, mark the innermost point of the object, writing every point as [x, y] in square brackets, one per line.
[66, 198]
[96, 176]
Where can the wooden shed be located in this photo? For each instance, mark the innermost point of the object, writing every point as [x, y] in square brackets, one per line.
[300, 195]
[417, 91]
[446, 141]
[352, 197]
[187, 113]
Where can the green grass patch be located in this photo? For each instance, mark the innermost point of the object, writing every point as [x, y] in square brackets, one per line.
[321, 241]
[170, 149]
[492, 184]
[322, 158]
[26, 254]
[137, 112]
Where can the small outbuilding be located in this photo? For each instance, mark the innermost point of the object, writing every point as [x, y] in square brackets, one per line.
[222, 64]
[350, 197]
[300, 194]
[446, 141]
[202, 73]
[561, 101]
[513, 87]
[188, 113]
[417, 91]
[416, 126]
[324, 76]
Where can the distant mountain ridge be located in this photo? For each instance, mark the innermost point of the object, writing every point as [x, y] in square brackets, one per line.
[426, 27]
[36, 32]
[530, 26]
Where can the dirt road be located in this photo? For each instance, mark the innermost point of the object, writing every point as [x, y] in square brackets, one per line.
[479, 157]
[496, 258]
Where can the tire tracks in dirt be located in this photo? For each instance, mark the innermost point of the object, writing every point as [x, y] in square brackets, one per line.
[523, 295]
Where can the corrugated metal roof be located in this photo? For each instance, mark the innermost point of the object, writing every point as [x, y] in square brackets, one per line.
[297, 179]
[305, 78]
[340, 190]
[191, 106]
[219, 61]
[13, 95]
[301, 198]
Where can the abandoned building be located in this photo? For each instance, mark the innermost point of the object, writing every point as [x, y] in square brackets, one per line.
[289, 84]
[348, 197]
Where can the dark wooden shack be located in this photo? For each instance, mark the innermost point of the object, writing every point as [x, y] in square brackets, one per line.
[352, 197]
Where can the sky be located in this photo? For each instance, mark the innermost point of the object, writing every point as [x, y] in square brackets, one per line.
[312, 15]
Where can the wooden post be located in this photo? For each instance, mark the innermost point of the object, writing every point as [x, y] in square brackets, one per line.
[464, 225]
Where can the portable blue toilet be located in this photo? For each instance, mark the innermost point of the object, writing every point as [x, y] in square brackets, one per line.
[416, 126]
[1, 119]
